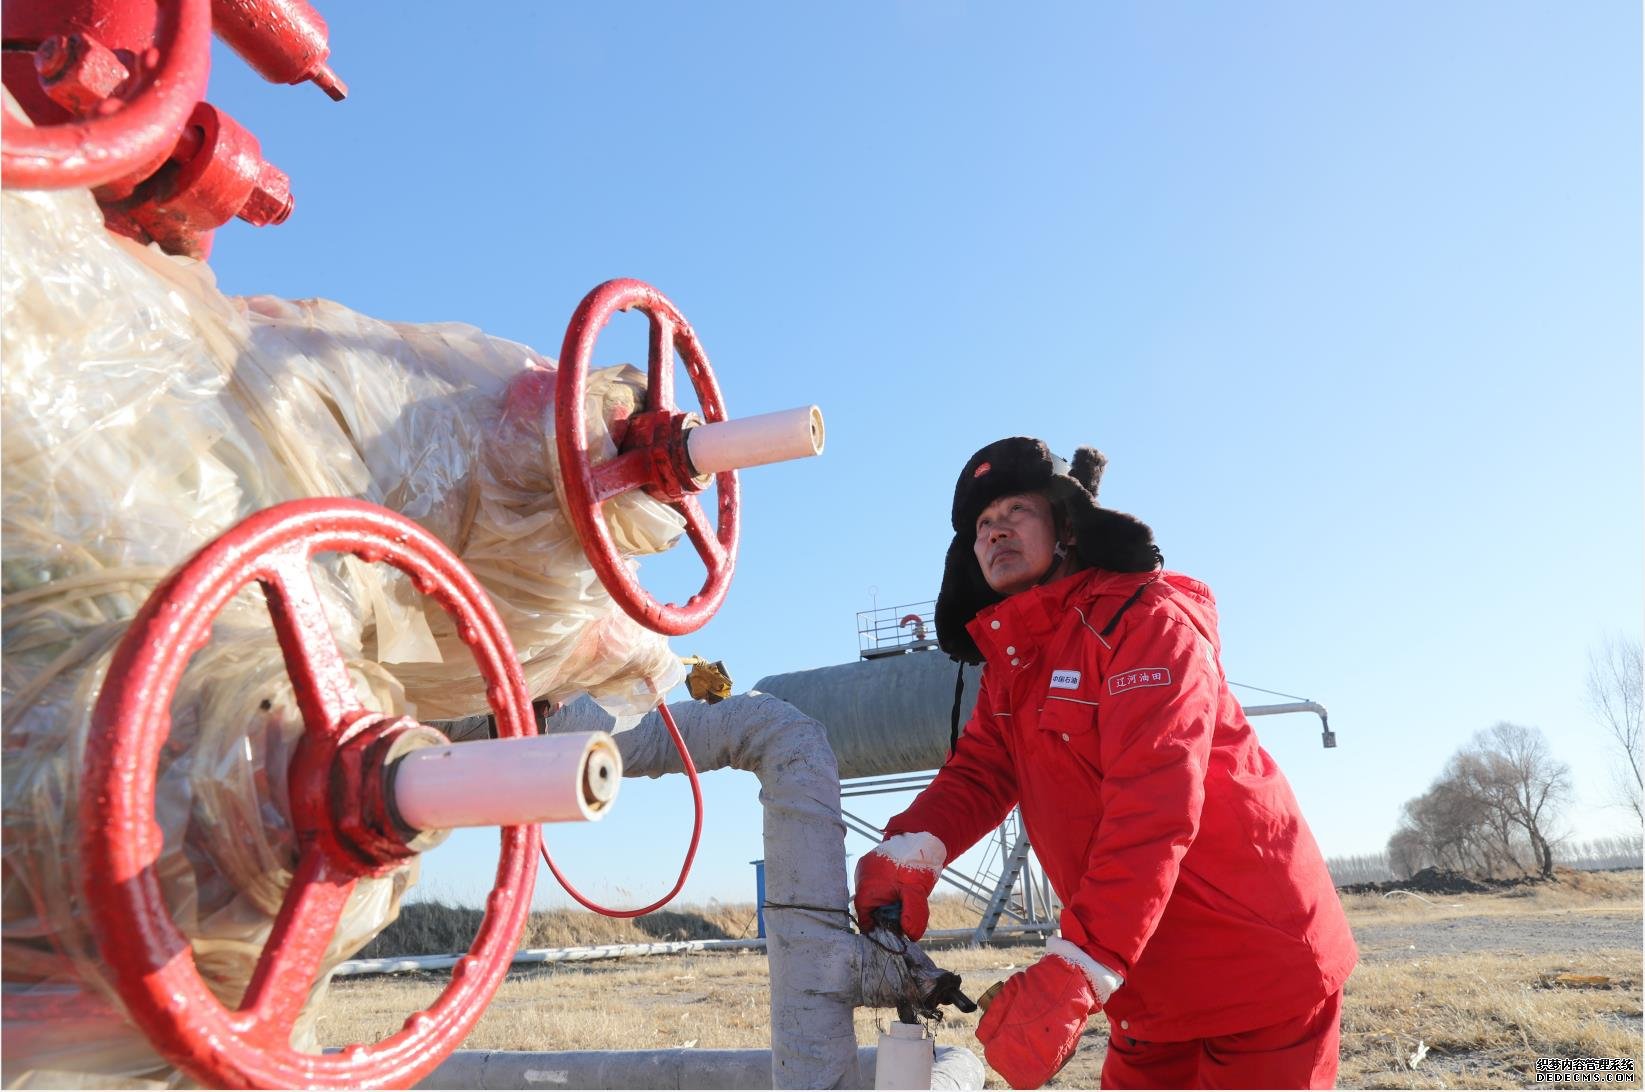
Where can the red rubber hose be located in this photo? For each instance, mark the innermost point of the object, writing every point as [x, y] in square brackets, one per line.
[690, 853]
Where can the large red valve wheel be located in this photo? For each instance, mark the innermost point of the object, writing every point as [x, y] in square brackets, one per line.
[136, 134]
[637, 466]
[149, 960]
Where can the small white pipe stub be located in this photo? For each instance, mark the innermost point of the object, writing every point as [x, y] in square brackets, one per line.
[567, 777]
[904, 1057]
[755, 441]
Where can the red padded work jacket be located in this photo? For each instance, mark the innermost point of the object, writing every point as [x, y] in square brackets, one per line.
[1175, 843]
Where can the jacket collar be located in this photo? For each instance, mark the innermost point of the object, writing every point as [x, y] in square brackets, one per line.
[1026, 620]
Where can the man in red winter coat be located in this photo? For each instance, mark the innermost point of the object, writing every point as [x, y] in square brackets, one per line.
[1198, 913]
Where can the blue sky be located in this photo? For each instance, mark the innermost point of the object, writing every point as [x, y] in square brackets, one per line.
[1349, 295]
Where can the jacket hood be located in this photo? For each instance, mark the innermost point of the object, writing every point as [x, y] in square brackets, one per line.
[1196, 601]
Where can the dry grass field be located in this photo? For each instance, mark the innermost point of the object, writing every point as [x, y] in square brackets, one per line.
[1458, 991]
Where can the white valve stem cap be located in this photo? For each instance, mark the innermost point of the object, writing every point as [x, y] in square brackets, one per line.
[567, 777]
[755, 441]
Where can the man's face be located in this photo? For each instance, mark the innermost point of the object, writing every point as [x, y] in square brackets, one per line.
[1016, 540]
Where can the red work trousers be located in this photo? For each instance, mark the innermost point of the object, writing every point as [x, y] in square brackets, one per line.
[1296, 1053]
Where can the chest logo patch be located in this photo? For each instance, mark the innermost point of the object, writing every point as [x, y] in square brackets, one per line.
[1065, 680]
[1137, 678]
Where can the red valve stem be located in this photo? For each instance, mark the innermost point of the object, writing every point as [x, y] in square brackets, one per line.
[327, 81]
[284, 40]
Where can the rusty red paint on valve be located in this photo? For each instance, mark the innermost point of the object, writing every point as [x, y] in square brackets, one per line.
[115, 89]
[100, 148]
[343, 824]
[78, 72]
[216, 174]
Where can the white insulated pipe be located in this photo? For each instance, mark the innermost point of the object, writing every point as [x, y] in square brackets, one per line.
[820, 969]
[508, 782]
[677, 1067]
[755, 441]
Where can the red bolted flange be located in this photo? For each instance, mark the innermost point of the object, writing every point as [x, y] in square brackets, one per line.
[149, 960]
[217, 172]
[651, 456]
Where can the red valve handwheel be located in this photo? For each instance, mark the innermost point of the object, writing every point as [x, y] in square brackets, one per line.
[587, 486]
[138, 133]
[149, 959]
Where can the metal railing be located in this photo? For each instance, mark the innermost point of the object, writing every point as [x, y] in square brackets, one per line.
[887, 631]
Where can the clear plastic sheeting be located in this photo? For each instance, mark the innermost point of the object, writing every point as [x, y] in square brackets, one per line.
[422, 419]
[144, 413]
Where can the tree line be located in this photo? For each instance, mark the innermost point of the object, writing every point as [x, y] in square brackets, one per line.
[1491, 812]
[1611, 851]
[1494, 809]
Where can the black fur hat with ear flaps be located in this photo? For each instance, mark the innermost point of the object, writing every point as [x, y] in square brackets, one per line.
[1103, 538]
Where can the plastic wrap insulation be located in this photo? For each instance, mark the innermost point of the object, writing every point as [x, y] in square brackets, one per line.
[143, 414]
[422, 419]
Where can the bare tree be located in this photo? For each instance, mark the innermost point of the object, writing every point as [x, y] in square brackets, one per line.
[1497, 799]
[1614, 696]
[1406, 853]
[1481, 779]
[1448, 826]
[1526, 784]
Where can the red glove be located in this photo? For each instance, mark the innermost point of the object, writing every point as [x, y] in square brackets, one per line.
[1033, 1026]
[903, 868]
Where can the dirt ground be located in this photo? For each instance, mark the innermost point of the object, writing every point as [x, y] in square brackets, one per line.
[1545, 934]
[1452, 991]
